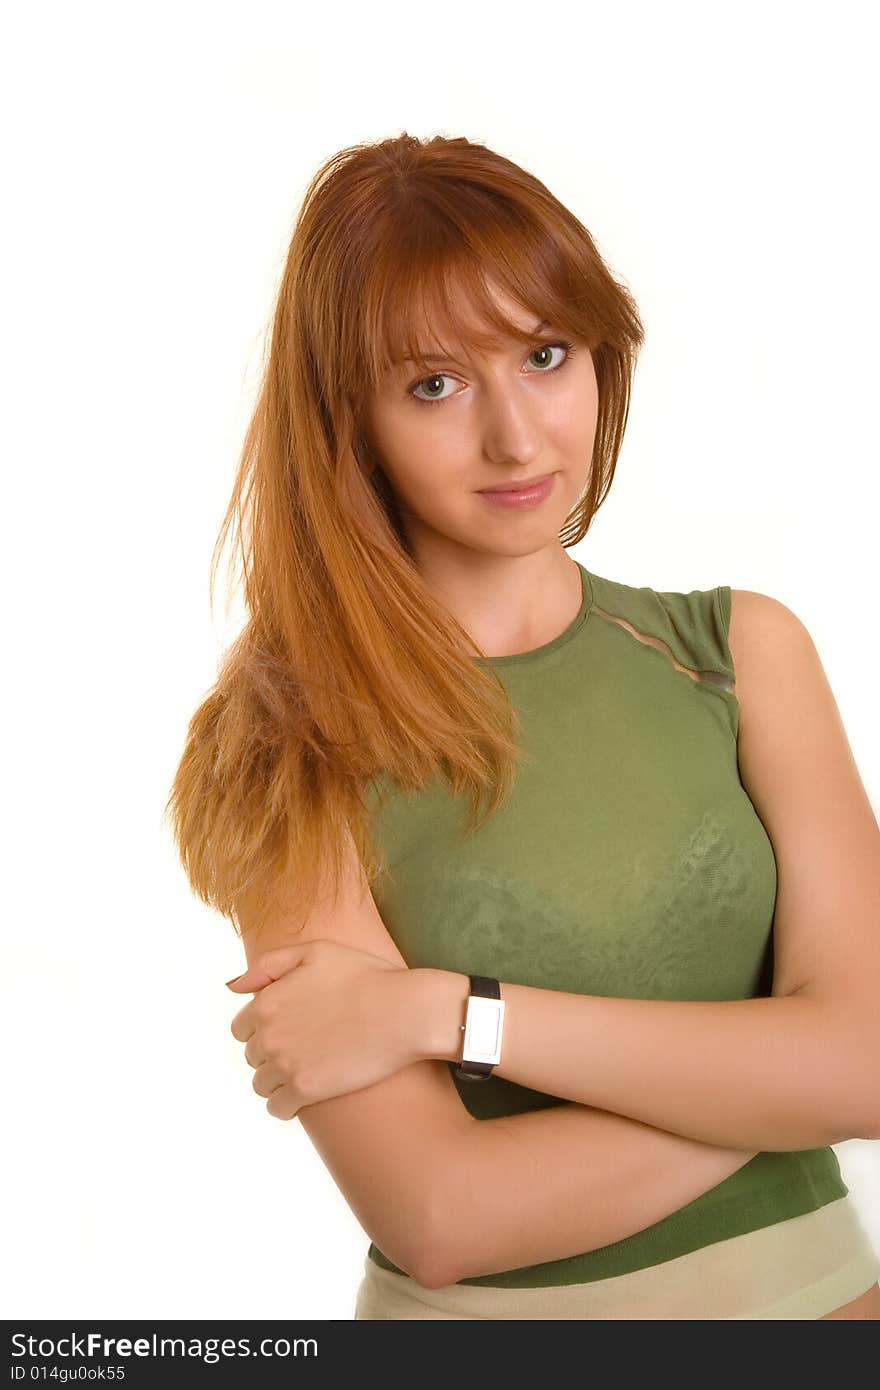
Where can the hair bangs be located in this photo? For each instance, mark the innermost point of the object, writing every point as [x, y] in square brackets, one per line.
[441, 300]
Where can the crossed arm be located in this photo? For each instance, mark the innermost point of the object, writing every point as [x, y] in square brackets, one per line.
[792, 1071]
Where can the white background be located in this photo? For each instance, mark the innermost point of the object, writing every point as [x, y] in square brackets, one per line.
[155, 158]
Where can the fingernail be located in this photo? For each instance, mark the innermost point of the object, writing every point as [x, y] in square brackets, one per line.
[236, 977]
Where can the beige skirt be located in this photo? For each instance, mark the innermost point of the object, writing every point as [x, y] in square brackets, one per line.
[801, 1268]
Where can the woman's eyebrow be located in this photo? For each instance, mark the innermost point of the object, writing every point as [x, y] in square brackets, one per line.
[437, 359]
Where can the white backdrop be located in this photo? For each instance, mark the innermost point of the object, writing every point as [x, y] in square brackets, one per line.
[156, 155]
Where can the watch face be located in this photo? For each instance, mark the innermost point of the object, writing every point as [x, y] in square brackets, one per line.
[482, 1037]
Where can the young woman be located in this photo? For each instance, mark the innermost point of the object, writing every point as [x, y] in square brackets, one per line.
[672, 887]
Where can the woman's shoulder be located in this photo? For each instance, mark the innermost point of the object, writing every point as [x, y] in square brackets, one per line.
[692, 624]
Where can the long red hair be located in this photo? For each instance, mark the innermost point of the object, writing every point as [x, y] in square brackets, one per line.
[348, 675]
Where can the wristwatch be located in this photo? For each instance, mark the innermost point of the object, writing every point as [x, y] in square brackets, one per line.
[482, 1030]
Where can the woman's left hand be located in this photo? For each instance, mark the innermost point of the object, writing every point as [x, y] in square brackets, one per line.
[325, 1019]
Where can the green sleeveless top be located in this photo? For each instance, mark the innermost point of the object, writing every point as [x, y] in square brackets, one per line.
[629, 862]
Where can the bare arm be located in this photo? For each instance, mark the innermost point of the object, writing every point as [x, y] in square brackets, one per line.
[780, 1073]
[553, 1183]
[512, 1191]
[446, 1196]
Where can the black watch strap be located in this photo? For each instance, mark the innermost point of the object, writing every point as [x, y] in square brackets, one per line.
[486, 988]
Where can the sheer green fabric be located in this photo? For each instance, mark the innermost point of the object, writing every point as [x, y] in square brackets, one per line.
[629, 862]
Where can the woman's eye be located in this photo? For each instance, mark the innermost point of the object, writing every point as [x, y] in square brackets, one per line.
[544, 352]
[429, 381]
[434, 384]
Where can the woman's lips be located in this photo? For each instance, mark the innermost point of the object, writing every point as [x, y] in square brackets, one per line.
[521, 497]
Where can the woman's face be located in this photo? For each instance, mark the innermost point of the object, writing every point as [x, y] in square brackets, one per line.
[516, 414]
